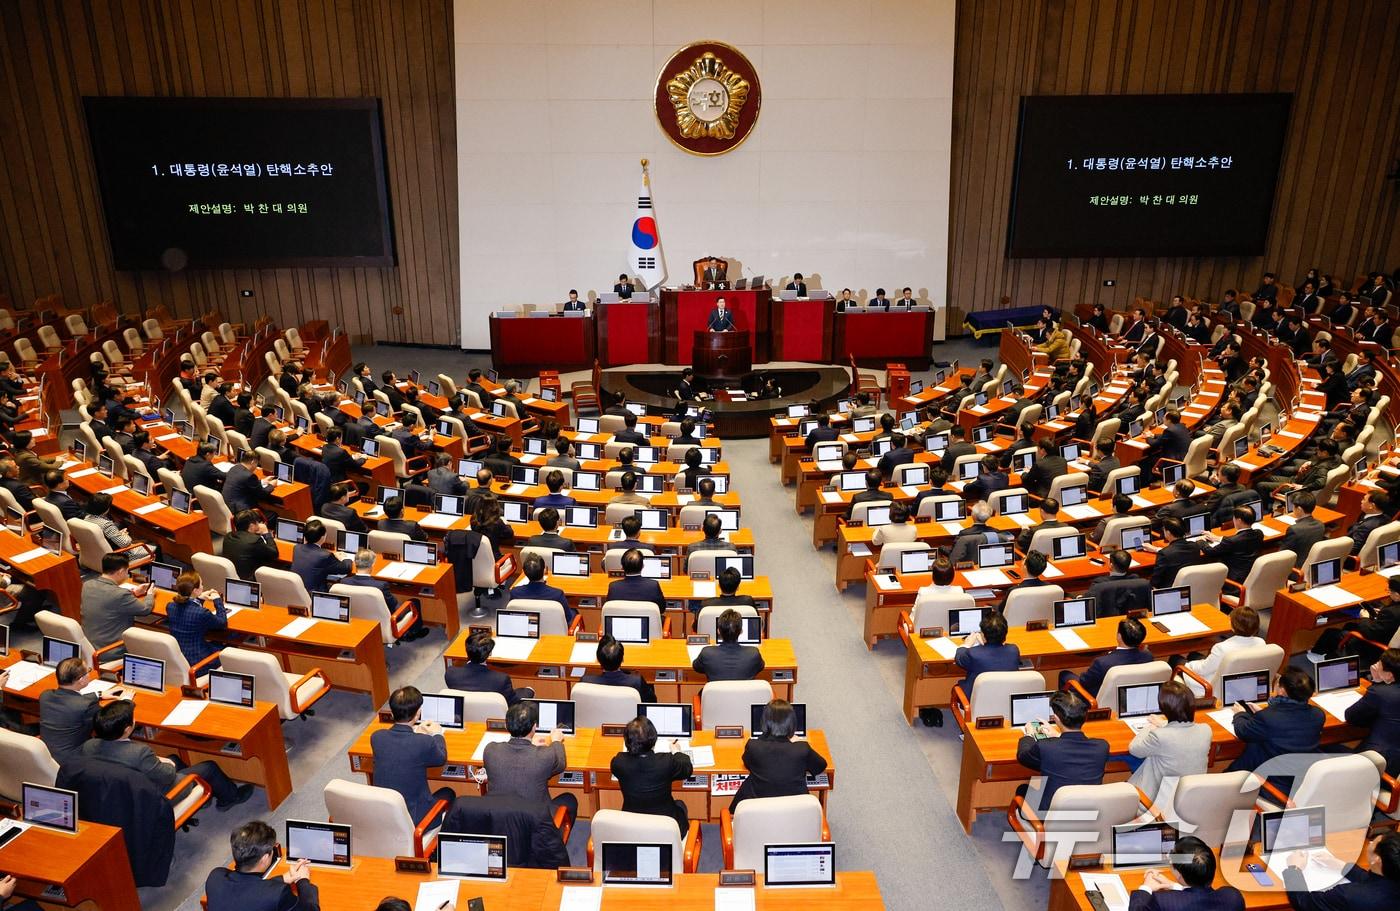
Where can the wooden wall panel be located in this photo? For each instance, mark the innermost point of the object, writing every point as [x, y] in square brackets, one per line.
[1334, 209]
[52, 235]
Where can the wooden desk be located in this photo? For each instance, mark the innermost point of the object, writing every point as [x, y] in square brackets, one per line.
[179, 535]
[350, 654]
[1299, 618]
[292, 500]
[586, 595]
[91, 867]
[54, 573]
[665, 663]
[588, 775]
[929, 678]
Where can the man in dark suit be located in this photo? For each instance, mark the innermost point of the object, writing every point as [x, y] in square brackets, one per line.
[65, 712]
[1194, 863]
[1100, 468]
[250, 544]
[9, 479]
[715, 276]
[247, 888]
[57, 483]
[1120, 592]
[1268, 289]
[975, 535]
[407, 435]
[262, 427]
[474, 384]
[444, 479]
[721, 318]
[243, 414]
[797, 284]
[1288, 724]
[1048, 507]
[988, 481]
[221, 407]
[476, 677]
[394, 521]
[1131, 635]
[1049, 465]
[1375, 512]
[1305, 530]
[957, 446]
[242, 487]
[573, 304]
[554, 483]
[728, 660]
[898, 454]
[629, 433]
[1378, 623]
[872, 492]
[363, 577]
[313, 562]
[1239, 551]
[337, 507]
[519, 768]
[536, 589]
[144, 450]
[1065, 757]
[729, 581]
[1361, 889]
[1378, 710]
[1175, 554]
[610, 654]
[549, 532]
[1135, 329]
[985, 650]
[406, 750]
[822, 433]
[879, 301]
[199, 470]
[906, 300]
[632, 587]
[624, 287]
[501, 461]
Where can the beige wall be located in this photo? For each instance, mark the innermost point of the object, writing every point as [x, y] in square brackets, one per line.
[846, 175]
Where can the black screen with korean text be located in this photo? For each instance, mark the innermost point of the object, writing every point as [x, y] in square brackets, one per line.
[1145, 175]
[241, 182]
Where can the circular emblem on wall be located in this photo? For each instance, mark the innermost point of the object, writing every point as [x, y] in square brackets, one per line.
[707, 98]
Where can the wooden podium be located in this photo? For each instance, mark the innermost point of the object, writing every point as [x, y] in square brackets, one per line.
[722, 354]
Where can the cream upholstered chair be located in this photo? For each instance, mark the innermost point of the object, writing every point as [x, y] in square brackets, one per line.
[928, 507]
[1075, 812]
[389, 543]
[730, 702]
[612, 559]
[553, 620]
[1267, 657]
[214, 571]
[23, 758]
[703, 561]
[53, 518]
[1268, 574]
[380, 819]
[932, 608]
[1037, 603]
[1043, 540]
[215, 509]
[478, 707]
[762, 821]
[57, 626]
[368, 603]
[1321, 552]
[694, 513]
[656, 628]
[707, 618]
[596, 705]
[282, 587]
[643, 828]
[93, 545]
[293, 694]
[1378, 538]
[1205, 581]
[178, 672]
[891, 554]
[1121, 676]
[1113, 530]
[991, 694]
[1348, 785]
[171, 480]
[1211, 806]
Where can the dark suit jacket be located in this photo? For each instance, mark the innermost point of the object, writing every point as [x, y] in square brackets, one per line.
[478, 678]
[1069, 759]
[982, 658]
[65, 721]
[261, 428]
[315, 565]
[242, 489]
[635, 588]
[414, 531]
[1226, 898]
[720, 322]
[1238, 552]
[401, 761]
[201, 471]
[247, 551]
[894, 458]
[1379, 710]
[821, 435]
[550, 539]
[228, 890]
[955, 449]
[728, 661]
[1301, 536]
[969, 539]
[337, 461]
[984, 485]
[1045, 470]
[1092, 678]
[1175, 440]
[1117, 595]
[543, 591]
[646, 783]
[777, 768]
[344, 515]
[1173, 557]
[1098, 472]
[1363, 528]
[391, 601]
[1363, 891]
[645, 691]
[65, 504]
[1284, 726]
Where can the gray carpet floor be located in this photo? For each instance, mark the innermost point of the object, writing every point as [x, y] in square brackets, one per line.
[892, 809]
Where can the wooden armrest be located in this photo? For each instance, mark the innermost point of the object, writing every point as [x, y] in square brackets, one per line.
[421, 849]
[199, 665]
[693, 840]
[1353, 635]
[906, 622]
[1239, 587]
[1181, 669]
[98, 653]
[180, 785]
[726, 834]
[666, 628]
[315, 673]
[561, 822]
[1084, 694]
[1391, 806]
[959, 705]
[1019, 815]
[695, 710]
[409, 607]
[576, 624]
[1282, 798]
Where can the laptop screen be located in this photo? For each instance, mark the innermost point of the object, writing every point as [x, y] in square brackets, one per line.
[653, 519]
[472, 856]
[524, 474]
[799, 411]
[1074, 612]
[289, 530]
[52, 807]
[518, 624]
[54, 650]
[180, 501]
[1027, 707]
[863, 424]
[1171, 600]
[990, 556]
[1298, 829]
[647, 455]
[1248, 687]
[799, 865]
[1069, 452]
[647, 483]
[1338, 673]
[1015, 504]
[728, 518]
[965, 621]
[1022, 461]
[146, 673]
[1172, 472]
[587, 425]
[352, 542]
[850, 480]
[448, 504]
[468, 467]
[628, 630]
[656, 566]
[515, 511]
[554, 714]
[633, 864]
[1325, 572]
[721, 481]
[422, 553]
[742, 563]
[568, 564]
[671, 719]
[799, 711]
[968, 470]
[163, 575]
[952, 510]
[1140, 845]
[1068, 547]
[1074, 495]
[915, 561]
[231, 689]
[330, 607]
[1139, 700]
[1133, 538]
[319, 842]
[444, 708]
[1127, 485]
[588, 480]
[877, 515]
[1196, 523]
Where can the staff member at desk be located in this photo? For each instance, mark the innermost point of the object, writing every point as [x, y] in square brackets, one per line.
[797, 284]
[846, 302]
[624, 287]
[721, 318]
[645, 776]
[778, 761]
[573, 304]
[879, 301]
[246, 888]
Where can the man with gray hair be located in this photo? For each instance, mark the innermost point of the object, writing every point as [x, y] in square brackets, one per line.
[976, 534]
[512, 395]
[364, 575]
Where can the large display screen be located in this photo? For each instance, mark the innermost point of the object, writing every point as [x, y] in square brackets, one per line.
[1145, 175]
[242, 182]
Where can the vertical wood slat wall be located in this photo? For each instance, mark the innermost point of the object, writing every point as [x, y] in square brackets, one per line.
[1333, 207]
[52, 234]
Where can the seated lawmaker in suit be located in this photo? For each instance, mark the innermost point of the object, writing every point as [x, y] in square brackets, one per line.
[1239, 551]
[986, 650]
[364, 577]
[777, 760]
[610, 654]
[1378, 710]
[1194, 863]
[313, 562]
[872, 492]
[242, 487]
[65, 711]
[1288, 724]
[728, 581]
[715, 276]
[898, 454]
[1065, 757]
[721, 318]
[797, 284]
[199, 470]
[476, 677]
[532, 565]
[1175, 554]
[523, 767]
[394, 521]
[728, 660]
[989, 480]
[406, 750]
[1378, 623]
[247, 888]
[1131, 635]
[337, 507]
[822, 433]
[632, 587]
[975, 535]
[645, 776]
[712, 529]
[573, 304]
[554, 483]
[879, 301]
[549, 535]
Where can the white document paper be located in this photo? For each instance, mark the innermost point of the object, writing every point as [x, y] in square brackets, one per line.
[1069, 639]
[582, 898]
[1225, 718]
[944, 646]
[1110, 886]
[168, 436]
[693, 651]
[703, 589]
[850, 438]
[1021, 519]
[149, 508]
[1137, 724]
[701, 757]
[909, 490]
[986, 578]
[433, 895]
[97, 687]
[861, 549]
[1081, 511]
[184, 714]
[584, 653]
[1052, 571]
[952, 528]
[1318, 877]
[28, 555]
[296, 627]
[1337, 703]
[84, 473]
[886, 582]
[513, 648]
[405, 572]
[25, 674]
[488, 738]
[1142, 502]
[113, 491]
[1268, 530]
[1182, 624]
[1334, 595]
[437, 520]
[831, 496]
[731, 899]
[516, 490]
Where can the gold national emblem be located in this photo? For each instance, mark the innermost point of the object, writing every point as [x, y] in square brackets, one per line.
[708, 98]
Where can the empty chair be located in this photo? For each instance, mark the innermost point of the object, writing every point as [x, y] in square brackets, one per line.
[1268, 574]
[643, 828]
[178, 672]
[368, 603]
[596, 705]
[991, 694]
[998, 499]
[479, 707]
[404, 467]
[1321, 552]
[1043, 540]
[211, 502]
[58, 626]
[1079, 820]
[694, 514]
[54, 519]
[891, 554]
[171, 480]
[293, 694]
[388, 543]
[282, 587]
[380, 820]
[23, 758]
[762, 821]
[1205, 581]
[1347, 785]
[731, 702]
[213, 570]
[932, 608]
[1212, 805]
